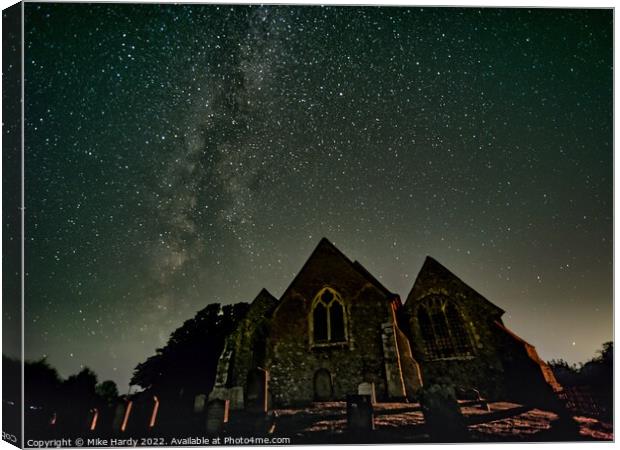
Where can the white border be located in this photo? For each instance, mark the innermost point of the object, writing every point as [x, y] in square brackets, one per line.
[457, 3]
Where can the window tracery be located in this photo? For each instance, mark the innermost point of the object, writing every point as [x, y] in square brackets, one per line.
[443, 329]
[328, 318]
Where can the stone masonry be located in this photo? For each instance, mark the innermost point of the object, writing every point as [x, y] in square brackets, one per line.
[336, 327]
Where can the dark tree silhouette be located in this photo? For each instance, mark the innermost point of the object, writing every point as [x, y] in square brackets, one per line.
[186, 366]
[597, 372]
[595, 377]
[566, 374]
[107, 392]
[79, 395]
[41, 383]
[68, 404]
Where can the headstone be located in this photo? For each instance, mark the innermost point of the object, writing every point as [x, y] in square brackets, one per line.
[199, 403]
[442, 414]
[360, 414]
[235, 394]
[217, 415]
[366, 388]
[257, 387]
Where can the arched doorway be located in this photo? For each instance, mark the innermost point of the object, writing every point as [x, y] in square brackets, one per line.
[323, 388]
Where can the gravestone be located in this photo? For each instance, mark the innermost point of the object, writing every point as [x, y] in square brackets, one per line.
[217, 415]
[199, 403]
[366, 388]
[256, 400]
[323, 389]
[360, 414]
[442, 414]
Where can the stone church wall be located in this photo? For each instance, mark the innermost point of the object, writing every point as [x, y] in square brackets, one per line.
[498, 359]
[293, 360]
[248, 341]
[446, 333]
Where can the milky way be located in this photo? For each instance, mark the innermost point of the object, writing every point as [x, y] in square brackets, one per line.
[183, 155]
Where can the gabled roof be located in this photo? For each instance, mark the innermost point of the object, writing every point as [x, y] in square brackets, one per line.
[264, 295]
[264, 302]
[372, 280]
[432, 266]
[325, 246]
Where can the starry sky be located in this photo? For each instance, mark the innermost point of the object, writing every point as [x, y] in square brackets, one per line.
[179, 155]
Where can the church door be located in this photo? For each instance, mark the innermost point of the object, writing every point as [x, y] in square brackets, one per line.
[323, 389]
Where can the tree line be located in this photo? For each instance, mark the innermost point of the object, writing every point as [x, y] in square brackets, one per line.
[183, 368]
[596, 372]
[186, 367]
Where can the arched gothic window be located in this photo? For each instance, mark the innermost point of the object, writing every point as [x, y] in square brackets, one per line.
[320, 323]
[443, 329]
[328, 318]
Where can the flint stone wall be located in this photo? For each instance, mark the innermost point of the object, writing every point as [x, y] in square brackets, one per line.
[499, 358]
[293, 360]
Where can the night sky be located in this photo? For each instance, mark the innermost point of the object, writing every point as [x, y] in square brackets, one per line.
[182, 155]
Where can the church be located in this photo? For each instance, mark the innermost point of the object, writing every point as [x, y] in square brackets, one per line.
[336, 327]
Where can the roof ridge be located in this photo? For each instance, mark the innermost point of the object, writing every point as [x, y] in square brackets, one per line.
[429, 261]
[355, 265]
[372, 278]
